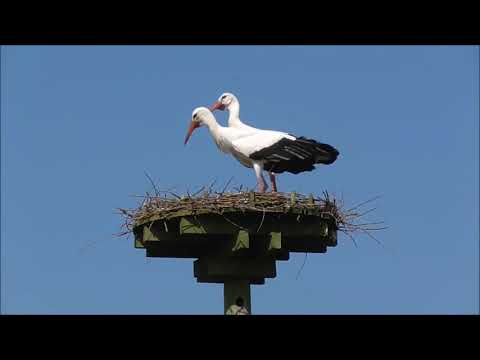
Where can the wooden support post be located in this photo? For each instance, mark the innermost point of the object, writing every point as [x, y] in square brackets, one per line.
[236, 297]
[238, 258]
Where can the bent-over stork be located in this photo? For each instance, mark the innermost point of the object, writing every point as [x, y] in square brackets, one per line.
[228, 101]
[268, 150]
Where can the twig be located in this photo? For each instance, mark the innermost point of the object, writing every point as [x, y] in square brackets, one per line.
[261, 223]
[300, 270]
[199, 191]
[353, 239]
[228, 183]
[153, 184]
[365, 202]
[231, 222]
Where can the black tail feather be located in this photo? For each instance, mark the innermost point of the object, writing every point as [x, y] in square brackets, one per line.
[296, 156]
[323, 153]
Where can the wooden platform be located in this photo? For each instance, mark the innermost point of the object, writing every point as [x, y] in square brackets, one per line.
[236, 246]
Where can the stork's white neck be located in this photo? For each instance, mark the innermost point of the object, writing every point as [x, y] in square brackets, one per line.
[234, 114]
[212, 124]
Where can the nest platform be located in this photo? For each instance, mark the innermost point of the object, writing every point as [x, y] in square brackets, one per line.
[237, 237]
[247, 231]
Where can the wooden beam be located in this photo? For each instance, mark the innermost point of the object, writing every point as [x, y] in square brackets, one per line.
[234, 268]
[236, 297]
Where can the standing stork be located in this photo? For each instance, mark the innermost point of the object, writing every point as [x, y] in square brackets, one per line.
[273, 151]
[228, 101]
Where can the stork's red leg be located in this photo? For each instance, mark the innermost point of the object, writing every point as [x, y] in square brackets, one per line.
[273, 181]
[262, 185]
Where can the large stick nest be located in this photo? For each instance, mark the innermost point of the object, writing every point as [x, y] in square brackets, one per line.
[166, 205]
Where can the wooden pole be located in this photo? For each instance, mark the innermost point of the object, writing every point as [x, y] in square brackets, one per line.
[236, 295]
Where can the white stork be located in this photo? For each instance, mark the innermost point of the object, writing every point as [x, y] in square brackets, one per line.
[228, 101]
[268, 150]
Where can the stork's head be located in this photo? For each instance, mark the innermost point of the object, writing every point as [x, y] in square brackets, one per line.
[224, 102]
[199, 116]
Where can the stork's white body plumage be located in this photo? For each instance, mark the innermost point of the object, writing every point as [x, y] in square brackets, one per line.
[273, 151]
[278, 151]
[241, 142]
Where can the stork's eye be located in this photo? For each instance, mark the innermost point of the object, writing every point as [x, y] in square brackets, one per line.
[223, 97]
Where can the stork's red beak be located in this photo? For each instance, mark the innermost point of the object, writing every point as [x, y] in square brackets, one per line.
[192, 127]
[217, 106]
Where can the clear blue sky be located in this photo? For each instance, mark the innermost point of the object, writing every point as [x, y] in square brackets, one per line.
[81, 124]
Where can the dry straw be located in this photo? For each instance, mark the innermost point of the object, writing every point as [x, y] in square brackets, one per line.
[167, 204]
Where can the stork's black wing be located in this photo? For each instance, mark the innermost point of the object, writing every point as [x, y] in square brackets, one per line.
[295, 156]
